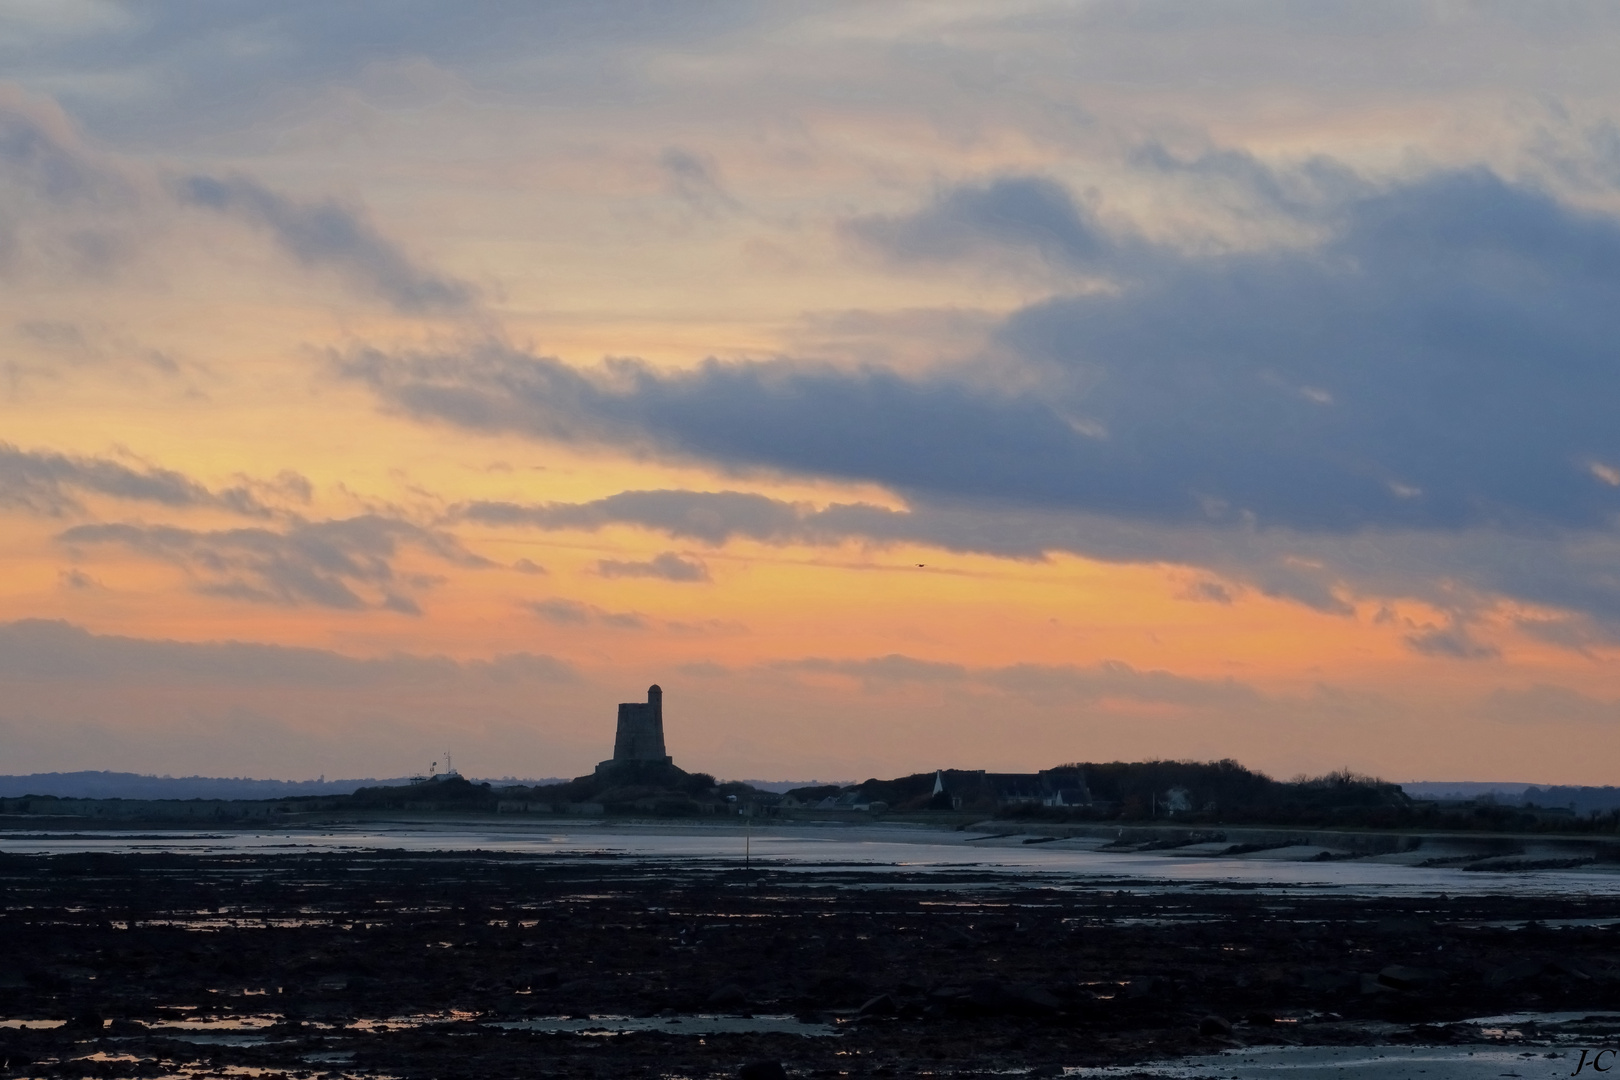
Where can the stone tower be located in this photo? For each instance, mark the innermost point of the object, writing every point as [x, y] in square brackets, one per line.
[641, 730]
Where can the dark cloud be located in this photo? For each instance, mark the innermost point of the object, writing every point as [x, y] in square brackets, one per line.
[1309, 191]
[1453, 641]
[76, 580]
[1436, 365]
[1208, 592]
[204, 69]
[561, 612]
[694, 180]
[1443, 361]
[666, 566]
[68, 206]
[45, 482]
[328, 234]
[1321, 571]
[940, 436]
[1015, 212]
[39, 650]
[346, 564]
[710, 516]
[61, 205]
[573, 613]
[715, 517]
[1575, 633]
[40, 155]
[879, 669]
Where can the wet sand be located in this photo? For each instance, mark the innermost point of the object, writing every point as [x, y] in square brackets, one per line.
[1387, 864]
[365, 961]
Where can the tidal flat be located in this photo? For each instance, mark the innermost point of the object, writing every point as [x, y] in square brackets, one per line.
[357, 960]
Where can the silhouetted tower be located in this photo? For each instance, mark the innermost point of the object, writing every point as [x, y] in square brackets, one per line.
[641, 729]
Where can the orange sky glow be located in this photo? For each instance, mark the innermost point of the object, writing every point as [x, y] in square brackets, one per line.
[900, 386]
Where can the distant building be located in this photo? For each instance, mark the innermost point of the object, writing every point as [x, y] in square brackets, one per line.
[640, 735]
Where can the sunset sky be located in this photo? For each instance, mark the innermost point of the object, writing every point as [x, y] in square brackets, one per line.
[899, 385]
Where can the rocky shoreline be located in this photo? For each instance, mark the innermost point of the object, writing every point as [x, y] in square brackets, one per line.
[387, 963]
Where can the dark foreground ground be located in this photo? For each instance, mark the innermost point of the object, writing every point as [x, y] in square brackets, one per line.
[943, 974]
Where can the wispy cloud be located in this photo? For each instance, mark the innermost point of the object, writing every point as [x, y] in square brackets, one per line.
[347, 564]
[1027, 213]
[44, 482]
[1453, 641]
[667, 566]
[45, 650]
[695, 181]
[1078, 683]
[329, 234]
[561, 612]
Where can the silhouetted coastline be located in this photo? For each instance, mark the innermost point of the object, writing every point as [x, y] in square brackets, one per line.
[1170, 793]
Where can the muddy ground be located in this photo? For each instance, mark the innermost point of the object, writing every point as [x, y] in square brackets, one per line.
[949, 974]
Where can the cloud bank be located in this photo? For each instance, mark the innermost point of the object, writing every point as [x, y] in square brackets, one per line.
[1442, 362]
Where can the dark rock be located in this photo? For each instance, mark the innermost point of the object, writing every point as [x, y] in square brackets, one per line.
[1326, 981]
[1215, 1025]
[1517, 971]
[1575, 969]
[728, 996]
[986, 997]
[1371, 984]
[1143, 987]
[88, 1020]
[1402, 927]
[840, 989]
[762, 1070]
[882, 1005]
[1035, 1001]
[1403, 977]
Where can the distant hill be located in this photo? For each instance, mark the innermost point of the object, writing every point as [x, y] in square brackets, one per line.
[124, 785]
[781, 787]
[1463, 789]
[1581, 800]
